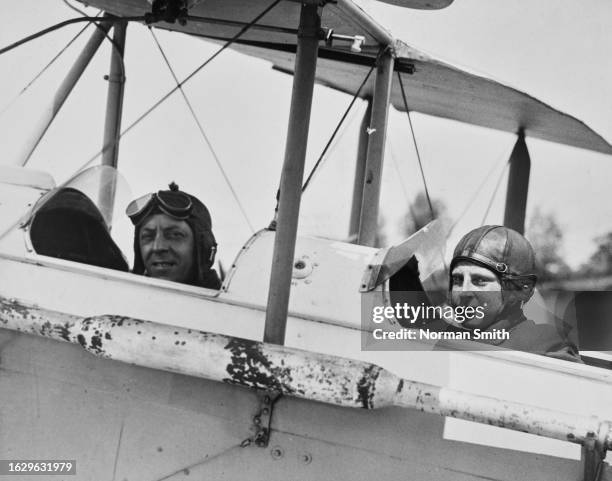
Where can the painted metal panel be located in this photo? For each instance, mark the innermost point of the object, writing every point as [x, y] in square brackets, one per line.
[239, 312]
[325, 283]
[124, 422]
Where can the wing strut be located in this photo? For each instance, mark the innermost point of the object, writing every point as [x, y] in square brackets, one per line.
[362, 152]
[114, 100]
[114, 110]
[518, 185]
[292, 175]
[64, 90]
[368, 223]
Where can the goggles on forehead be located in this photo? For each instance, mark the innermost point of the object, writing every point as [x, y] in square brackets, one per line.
[173, 203]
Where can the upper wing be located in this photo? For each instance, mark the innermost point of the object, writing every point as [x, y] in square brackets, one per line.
[432, 87]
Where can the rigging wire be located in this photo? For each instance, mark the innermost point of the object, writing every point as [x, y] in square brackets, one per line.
[180, 84]
[204, 136]
[399, 176]
[469, 204]
[333, 136]
[44, 69]
[501, 176]
[416, 147]
[207, 459]
[112, 41]
[347, 123]
[114, 45]
[116, 48]
[58, 55]
[65, 23]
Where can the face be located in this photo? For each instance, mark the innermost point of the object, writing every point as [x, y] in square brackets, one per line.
[167, 248]
[474, 285]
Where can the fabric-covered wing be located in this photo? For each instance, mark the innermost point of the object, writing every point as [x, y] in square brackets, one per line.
[432, 87]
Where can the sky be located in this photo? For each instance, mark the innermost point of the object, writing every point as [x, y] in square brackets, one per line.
[557, 51]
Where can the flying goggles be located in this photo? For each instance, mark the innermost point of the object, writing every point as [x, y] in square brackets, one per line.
[172, 202]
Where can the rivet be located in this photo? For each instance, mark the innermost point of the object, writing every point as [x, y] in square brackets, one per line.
[276, 452]
[306, 458]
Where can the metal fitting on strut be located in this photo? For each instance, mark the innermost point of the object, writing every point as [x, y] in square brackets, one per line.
[357, 41]
[170, 11]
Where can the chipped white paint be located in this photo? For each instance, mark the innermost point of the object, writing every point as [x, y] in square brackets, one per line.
[304, 374]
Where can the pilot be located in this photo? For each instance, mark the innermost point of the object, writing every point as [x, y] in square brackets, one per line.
[494, 267]
[173, 238]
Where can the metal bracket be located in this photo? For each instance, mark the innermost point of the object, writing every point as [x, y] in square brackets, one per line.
[263, 418]
[167, 10]
[329, 36]
[593, 454]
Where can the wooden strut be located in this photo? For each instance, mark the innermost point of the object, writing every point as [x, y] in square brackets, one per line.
[294, 372]
[292, 175]
[49, 113]
[368, 222]
[114, 110]
[518, 185]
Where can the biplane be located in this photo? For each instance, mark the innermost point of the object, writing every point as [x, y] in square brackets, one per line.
[134, 378]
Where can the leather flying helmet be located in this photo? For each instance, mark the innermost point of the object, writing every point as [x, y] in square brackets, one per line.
[506, 253]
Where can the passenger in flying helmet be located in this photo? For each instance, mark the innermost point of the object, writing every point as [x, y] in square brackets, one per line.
[173, 238]
[493, 269]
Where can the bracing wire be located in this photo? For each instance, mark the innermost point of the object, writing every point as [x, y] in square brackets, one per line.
[116, 49]
[106, 36]
[476, 192]
[203, 133]
[65, 23]
[335, 132]
[501, 176]
[44, 69]
[180, 84]
[399, 176]
[416, 147]
[56, 57]
[113, 43]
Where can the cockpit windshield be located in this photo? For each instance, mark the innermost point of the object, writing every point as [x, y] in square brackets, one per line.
[103, 185]
[427, 246]
[74, 220]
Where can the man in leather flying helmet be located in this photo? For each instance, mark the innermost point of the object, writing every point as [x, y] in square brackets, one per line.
[173, 238]
[494, 267]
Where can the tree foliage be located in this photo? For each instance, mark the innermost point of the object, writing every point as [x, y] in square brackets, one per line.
[546, 237]
[420, 213]
[600, 262]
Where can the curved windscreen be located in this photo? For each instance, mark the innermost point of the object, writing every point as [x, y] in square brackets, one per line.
[104, 186]
[427, 245]
[73, 221]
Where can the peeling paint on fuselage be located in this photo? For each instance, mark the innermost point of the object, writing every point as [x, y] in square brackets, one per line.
[251, 368]
[366, 387]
